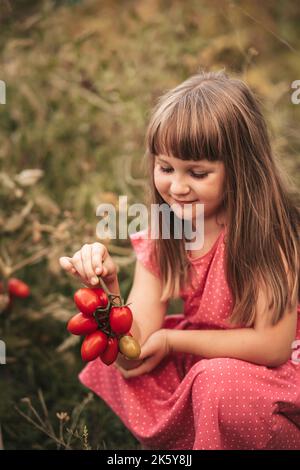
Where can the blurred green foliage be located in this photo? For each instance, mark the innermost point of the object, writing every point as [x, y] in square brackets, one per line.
[81, 79]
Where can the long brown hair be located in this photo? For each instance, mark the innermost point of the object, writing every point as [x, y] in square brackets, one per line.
[216, 117]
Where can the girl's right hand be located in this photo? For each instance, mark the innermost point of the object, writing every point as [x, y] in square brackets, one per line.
[90, 261]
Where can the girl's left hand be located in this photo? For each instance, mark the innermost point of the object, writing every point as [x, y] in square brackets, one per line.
[155, 348]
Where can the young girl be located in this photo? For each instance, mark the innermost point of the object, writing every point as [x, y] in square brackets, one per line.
[225, 373]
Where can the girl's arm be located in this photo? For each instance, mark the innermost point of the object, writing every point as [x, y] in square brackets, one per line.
[263, 344]
[147, 309]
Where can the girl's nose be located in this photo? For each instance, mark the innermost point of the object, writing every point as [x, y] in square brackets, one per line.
[179, 189]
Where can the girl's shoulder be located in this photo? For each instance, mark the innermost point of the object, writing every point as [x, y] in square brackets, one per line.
[140, 235]
[143, 247]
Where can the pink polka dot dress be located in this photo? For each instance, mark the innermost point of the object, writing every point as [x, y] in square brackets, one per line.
[190, 402]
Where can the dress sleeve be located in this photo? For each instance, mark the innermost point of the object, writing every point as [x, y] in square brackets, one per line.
[143, 248]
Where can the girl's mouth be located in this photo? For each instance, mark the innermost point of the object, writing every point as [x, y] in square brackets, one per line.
[184, 202]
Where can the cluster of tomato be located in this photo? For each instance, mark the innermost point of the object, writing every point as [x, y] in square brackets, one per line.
[105, 323]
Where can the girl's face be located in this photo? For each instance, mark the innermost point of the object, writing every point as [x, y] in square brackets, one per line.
[189, 181]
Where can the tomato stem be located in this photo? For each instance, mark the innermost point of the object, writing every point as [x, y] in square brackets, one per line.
[120, 301]
[107, 291]
[104, 309]
[101, 321]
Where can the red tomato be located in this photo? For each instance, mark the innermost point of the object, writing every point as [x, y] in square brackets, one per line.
[102, 296]
[111, 352]
[93, 345]
[18, 288]
[87, 301]
[81, 325]
[120, 319]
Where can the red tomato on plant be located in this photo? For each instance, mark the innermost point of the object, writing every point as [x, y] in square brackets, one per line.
[87, 300]
[93, 345]
[81, 325]
[111, 352]
[18, 288]
[102, 296]
[120, 319]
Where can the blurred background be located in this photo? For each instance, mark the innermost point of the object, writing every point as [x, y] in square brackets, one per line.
[81, 78]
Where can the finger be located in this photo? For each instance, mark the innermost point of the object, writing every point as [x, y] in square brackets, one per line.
[86, 256]
[66, 263]
[146, 350]
[121, 370]
[144, 368]
[98, 255]
[109, 267]
[77, 263]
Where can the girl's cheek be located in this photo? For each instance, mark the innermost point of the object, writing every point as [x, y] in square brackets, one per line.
[160, 184]
[156, 182]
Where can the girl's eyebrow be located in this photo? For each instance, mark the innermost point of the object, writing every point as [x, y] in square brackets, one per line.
[191, 165]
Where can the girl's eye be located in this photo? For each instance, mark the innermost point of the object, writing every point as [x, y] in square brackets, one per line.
[194, 175]
[199, 175]
[165, 170]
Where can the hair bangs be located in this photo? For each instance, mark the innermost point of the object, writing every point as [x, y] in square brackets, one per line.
[187, 130]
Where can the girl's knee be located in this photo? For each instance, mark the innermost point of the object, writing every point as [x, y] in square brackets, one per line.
[219, 368]
[228, 382]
